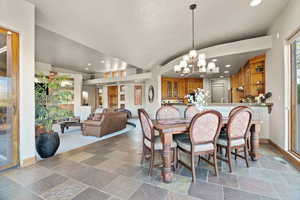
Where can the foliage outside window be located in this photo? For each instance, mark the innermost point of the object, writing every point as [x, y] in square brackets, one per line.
[49, 96]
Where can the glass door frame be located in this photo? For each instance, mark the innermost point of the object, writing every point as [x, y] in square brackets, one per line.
[14, 72]
[293, 96]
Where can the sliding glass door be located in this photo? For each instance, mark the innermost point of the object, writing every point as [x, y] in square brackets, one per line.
[9, 53]
[295, 96]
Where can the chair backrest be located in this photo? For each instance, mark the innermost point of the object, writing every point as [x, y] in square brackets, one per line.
[146, 124]
[239, 123]
[167, 112]
[205, 127]
[190, 112]
[236, 109]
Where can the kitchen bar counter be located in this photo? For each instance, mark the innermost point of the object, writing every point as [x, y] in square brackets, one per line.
[267, 105]
[260, 112]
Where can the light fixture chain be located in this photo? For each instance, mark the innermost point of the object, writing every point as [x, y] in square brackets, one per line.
[193, 28]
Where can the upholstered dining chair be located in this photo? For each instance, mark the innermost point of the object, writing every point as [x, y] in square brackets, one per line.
[167, 112]
[191, 111]
[202, 139]
[236, 109]
[224, 128]
[152, 143]
[236, 135]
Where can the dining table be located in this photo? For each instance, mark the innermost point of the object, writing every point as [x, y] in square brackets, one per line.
[169, 127]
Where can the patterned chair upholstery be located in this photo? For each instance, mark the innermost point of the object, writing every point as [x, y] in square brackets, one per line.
[190, 112]
[167, 112]
[203, 134]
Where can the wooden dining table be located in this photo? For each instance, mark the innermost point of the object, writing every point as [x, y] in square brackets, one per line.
[169, 127]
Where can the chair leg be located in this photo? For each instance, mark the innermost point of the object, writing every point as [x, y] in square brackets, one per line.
[151, 163]
[174, 159]
[216, 163]
[143, 155]
[193, 168]
[246, 155]
[229, 158]
[177, 158]
[236, 152]
[220, 150]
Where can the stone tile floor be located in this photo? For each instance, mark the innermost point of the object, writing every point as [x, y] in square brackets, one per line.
[110, 170]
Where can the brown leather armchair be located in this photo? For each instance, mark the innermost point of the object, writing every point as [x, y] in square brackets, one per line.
[105, 123]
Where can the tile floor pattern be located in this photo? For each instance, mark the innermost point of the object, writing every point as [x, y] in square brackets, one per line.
[110, 170]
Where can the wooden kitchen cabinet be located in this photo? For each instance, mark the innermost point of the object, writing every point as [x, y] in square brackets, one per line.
[182, 88]
[251, 77]
[164, 89]
[193, 84]
[178, 88]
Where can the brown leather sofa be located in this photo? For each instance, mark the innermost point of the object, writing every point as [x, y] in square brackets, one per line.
[105, 123]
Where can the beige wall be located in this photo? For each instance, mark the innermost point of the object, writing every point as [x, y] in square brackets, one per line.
[276, 75]
[155, 81]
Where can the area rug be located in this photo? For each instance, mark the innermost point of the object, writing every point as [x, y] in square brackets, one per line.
[73, 138]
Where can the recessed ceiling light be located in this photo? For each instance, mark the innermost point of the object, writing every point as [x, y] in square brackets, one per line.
[87, 68]
[221, 76]
[89, 64]
[226, 72]
[102, 61]
[227, 66]
[254, 3]
[214, 60]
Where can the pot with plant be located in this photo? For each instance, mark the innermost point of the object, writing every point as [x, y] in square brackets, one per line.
[49, 96]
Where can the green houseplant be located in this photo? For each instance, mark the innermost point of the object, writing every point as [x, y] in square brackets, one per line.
[49, 96]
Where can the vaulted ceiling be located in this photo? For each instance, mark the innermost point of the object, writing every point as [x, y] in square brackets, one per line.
[150, 32]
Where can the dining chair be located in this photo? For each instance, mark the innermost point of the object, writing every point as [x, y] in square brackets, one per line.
[167, 112]
[152, 143]
[191, 111]
[236, 135]
[224, 128]
[236, 109]
[202, 139]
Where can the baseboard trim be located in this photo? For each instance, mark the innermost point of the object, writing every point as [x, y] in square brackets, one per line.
[28, 161]
[287, 155]
[264, 141]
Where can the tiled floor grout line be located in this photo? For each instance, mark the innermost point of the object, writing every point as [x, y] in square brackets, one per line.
[87, 186]
[142, 181]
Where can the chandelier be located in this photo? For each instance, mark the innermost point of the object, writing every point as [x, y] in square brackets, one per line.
[194, 62]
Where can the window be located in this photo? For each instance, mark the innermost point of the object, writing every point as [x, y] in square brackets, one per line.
[295, 95]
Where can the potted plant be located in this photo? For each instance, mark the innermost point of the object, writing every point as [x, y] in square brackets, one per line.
[49, 96]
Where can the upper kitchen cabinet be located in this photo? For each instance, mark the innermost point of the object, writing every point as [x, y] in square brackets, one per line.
[193, 84]
[178, 88]
[249, 82]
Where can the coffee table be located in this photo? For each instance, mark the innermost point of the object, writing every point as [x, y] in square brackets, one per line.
[67, 124]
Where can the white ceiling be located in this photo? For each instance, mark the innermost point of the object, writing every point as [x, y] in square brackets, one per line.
[149, 32]
[236, 61]
[62, 52]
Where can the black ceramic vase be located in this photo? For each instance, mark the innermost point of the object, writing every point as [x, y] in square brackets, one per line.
[47, 144]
